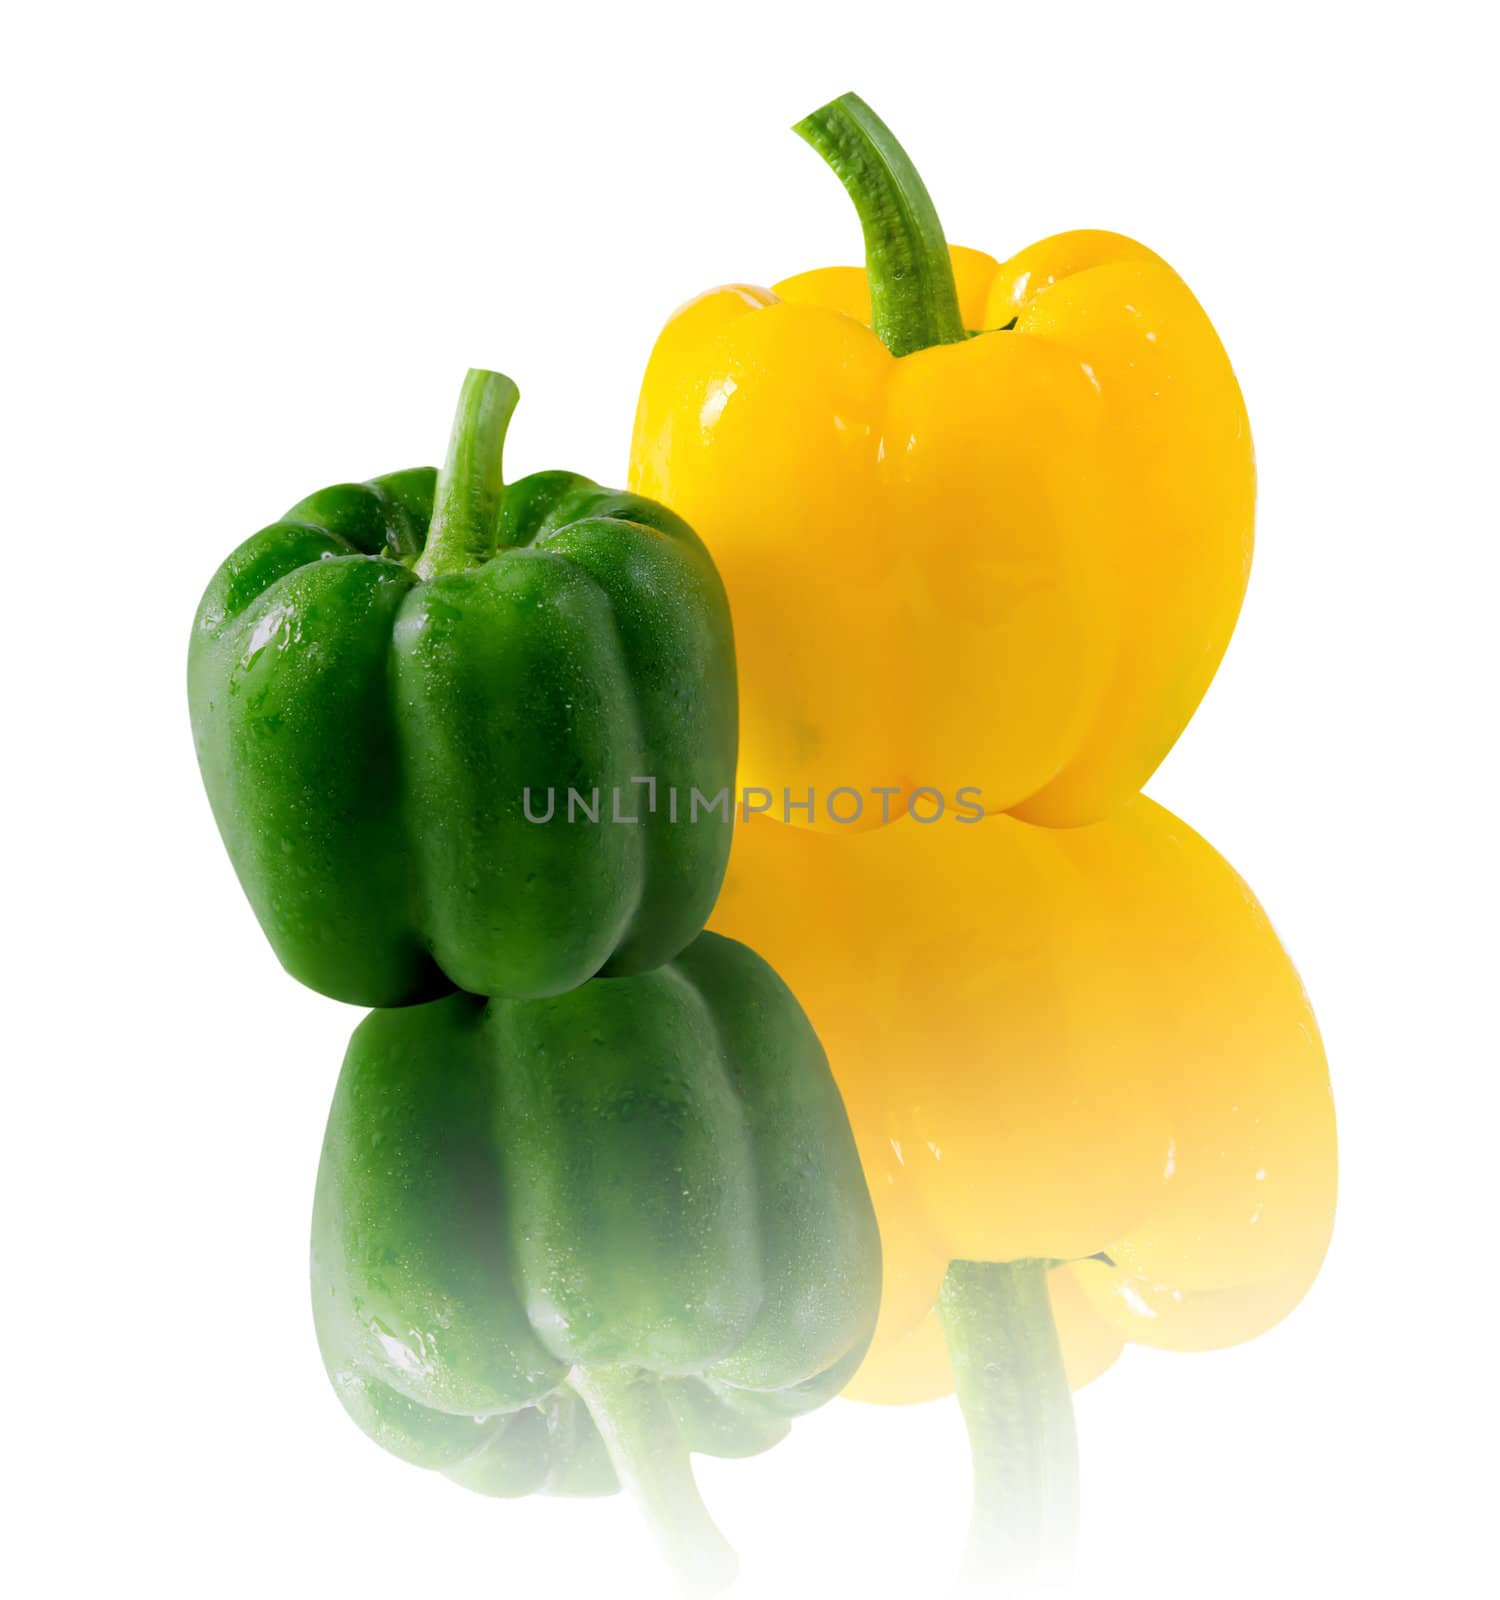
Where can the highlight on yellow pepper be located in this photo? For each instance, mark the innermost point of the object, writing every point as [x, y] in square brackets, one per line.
[1090, 1095]
[984, 525]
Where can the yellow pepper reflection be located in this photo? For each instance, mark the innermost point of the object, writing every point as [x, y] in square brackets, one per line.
[1057, 1045]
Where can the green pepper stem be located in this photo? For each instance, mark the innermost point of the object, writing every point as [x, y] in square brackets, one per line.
[652, 1461]
[1018, 1409]
[913, 298]
[466, 504]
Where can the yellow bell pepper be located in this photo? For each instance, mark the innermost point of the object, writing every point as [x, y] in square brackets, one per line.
[1005, 562]
[1081, 1056]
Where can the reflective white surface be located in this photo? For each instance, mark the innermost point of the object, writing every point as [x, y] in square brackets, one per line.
[251, 248]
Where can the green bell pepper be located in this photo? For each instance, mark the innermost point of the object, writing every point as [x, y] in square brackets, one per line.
[559, 1243]
[388, 685]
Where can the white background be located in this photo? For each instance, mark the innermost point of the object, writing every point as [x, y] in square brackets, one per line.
[251, 249]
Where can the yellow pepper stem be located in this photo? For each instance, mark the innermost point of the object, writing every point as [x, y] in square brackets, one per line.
[913, 296]
[1018, 1409]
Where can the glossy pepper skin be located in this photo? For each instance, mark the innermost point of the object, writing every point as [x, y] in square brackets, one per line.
[376, 686]
[1009, 561]
[560, 1242]
[1055, 1044]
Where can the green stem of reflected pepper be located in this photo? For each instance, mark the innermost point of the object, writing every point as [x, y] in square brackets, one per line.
[1018, 1410]
[466, 505]
[913, 297]
[652, 1462]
